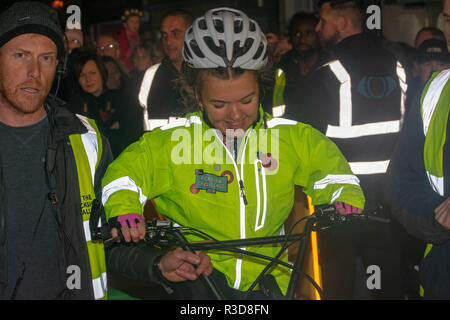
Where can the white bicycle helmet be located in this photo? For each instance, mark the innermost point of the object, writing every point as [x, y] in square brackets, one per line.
[225, 37]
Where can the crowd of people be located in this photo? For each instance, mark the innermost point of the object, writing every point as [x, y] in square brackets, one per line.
[360, 123]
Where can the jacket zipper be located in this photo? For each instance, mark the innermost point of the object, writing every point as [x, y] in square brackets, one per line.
[242, 196]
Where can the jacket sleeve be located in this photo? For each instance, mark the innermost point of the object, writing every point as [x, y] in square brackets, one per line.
[324, 172]
[134, 261]
[408, 190]
[139, 173]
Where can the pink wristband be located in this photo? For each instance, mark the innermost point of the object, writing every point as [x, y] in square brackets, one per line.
[130, 218]
[348, 208]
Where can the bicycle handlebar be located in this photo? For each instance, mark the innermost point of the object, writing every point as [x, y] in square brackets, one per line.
[164, 233]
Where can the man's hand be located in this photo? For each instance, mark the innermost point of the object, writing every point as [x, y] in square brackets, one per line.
[344, 208]
[179, 265]
[132, 227]
[442, 213]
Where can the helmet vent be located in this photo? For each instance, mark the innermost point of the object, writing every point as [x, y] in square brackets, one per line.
[194, 46]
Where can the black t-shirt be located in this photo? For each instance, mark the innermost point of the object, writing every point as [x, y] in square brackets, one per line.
[31, 226]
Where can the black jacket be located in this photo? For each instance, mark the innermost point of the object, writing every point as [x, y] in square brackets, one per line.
[290, 64]
[164, 99]
[61, 167]
[118, 116]
[376, 97]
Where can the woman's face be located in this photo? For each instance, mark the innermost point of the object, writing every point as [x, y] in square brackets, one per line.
[114, 80]
[230, 104]
[90, 79]
[142, 60]
[132, 23]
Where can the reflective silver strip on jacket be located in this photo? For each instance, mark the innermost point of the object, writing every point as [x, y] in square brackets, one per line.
[347, 130]
[429, 105]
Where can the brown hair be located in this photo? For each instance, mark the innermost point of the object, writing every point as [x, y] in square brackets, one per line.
[353, 10]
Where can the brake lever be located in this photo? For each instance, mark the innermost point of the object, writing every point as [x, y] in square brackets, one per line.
[327, 217]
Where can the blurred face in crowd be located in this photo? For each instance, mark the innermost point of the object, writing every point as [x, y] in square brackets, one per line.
[90, 79]
[108, 46]
[114, 75]
[422, 36]
[327, 28]
[141, 59]
[230, 104]
[27, 69]
[74, 38]
[446, 12]
[173, 29]
[272, 39]
[133, 23]
[305, 40]
[426, 68]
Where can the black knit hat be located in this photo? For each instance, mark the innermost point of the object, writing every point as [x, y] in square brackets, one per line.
[31, 17]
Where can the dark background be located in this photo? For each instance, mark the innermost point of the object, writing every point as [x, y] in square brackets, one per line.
[108, 12]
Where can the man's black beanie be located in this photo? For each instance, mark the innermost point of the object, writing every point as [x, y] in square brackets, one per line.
[31, 17]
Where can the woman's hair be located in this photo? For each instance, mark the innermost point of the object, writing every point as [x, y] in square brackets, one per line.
[191, 81]
[85, 57]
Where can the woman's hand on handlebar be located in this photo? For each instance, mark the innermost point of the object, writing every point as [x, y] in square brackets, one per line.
[132, 226]
[344, 208]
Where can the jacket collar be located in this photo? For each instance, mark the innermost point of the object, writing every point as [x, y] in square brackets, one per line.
[62, 122]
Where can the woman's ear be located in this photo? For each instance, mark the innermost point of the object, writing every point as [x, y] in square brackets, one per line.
[199, 100]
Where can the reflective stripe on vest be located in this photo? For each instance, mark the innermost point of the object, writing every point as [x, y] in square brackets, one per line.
[279, 107]
[144, 92]
[435, 108]
[87, 149]
[346, 130]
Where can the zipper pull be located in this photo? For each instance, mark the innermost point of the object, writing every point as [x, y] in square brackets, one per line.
[241, 187]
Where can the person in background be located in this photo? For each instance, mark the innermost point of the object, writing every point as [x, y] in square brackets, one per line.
[107, 45]
[297, 64]
[128, 37]
[423, 34]
[357, 100]
[75, 39]
[142, 60]
[158, 95]
[418, 183]
[67, 85]
[432, 55]
[272, 40]
[428, 33]
[98, 102]
[117, 80]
